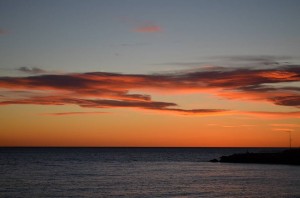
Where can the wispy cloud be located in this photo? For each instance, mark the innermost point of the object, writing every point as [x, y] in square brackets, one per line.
[283, 129]
[92, 103]
[261, 60]
[141, 26]
[237, 126]
[254, 58]
[3, 31]
[113, 90]
[32, 70]
[147, 27]
[73, 113]
[286, 125]
[221, 62]
[270, 115]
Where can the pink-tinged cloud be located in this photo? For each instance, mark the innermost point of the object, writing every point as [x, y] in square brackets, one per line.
[3, 31]
[112, 90]
[148, 29]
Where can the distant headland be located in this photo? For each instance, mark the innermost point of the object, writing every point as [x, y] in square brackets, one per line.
[290, 156]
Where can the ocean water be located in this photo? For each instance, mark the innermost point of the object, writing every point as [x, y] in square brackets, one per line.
[140, 172]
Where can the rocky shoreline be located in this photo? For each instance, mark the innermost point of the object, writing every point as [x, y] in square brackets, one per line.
[290, 156]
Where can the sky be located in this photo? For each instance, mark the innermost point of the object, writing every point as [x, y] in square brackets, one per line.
[194, 73]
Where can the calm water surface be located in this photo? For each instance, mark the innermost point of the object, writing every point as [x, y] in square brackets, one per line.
[140, 172]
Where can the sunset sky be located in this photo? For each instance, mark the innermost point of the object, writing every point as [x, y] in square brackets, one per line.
[204, 73]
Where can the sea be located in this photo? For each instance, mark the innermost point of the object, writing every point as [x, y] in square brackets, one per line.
[141, 172]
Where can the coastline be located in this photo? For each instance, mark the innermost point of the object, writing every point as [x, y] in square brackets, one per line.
[289, 157]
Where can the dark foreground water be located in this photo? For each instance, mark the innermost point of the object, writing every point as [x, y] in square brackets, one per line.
[140, 172]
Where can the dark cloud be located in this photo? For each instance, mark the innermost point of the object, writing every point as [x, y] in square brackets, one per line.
[292, 100]
[152, 105]
[226, 62]
[33, 70]
[260, 58]
[113, 90]
[186, 64]
[256, 61]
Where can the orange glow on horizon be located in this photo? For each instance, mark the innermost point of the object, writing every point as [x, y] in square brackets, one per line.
[173, 109]
[139, 129]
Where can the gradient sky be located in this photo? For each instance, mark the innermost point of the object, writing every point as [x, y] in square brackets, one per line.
[149, 73]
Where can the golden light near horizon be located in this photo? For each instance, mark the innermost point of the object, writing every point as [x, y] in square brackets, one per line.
[101, 74]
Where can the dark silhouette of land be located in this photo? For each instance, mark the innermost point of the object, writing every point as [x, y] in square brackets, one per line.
[290, 156]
